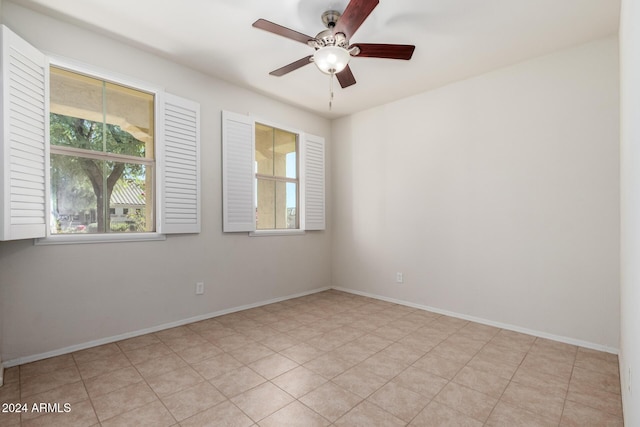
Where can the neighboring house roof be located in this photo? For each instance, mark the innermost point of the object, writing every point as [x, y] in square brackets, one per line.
[127, 194]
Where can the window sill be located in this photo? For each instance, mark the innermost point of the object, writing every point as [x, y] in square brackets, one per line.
[72, 239]
[264, 233]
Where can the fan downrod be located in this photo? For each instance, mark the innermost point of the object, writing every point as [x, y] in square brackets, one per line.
[330, 18]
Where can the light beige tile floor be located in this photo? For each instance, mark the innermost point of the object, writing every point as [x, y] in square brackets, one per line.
[330, 358]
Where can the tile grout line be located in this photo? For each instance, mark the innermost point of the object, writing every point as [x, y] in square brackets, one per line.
[337, 320]
[84, 385]
[510, 381]
[146, 382]
[566, 394]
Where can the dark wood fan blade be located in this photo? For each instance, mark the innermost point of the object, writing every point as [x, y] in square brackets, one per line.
[263, 24]
[354, 15]
[291, 67]
[390, 51]
[345, 77]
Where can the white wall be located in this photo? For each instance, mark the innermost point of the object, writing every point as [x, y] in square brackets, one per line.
[59, 296]
[630, 209]
[1, 298]
[497, 197]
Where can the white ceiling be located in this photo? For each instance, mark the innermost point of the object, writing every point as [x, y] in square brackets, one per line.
[454, 39]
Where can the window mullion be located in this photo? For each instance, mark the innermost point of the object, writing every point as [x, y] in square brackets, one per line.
[273, 172]
[99, 155]
[105, 196]
[104, 117]
[276, 178]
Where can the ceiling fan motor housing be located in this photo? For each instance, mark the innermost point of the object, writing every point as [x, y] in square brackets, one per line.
[328, 38]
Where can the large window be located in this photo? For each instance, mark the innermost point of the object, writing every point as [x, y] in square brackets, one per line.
[102, 155]
[88, 156]
[276, 160]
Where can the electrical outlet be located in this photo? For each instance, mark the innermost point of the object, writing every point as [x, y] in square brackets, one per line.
[399, 278]
[199, 288]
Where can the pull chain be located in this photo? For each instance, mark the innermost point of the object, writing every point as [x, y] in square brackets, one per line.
[330, 90]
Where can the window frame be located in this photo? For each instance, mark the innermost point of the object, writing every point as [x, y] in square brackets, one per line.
[123, 80]
[238, 196]
[274, 178]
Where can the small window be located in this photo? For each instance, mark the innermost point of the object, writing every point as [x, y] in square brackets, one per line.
[276, 174]
[272, 178]
[102, 154]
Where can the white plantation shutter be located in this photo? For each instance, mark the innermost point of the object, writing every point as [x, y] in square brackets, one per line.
[238, 136]
[179, 164]
[25, 134]
[313, 186]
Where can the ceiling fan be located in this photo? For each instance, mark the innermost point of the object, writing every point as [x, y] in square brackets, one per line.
[332, 48]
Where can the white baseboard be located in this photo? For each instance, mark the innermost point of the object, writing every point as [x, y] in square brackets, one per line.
[509, 327]
[108, 340]
[85, 345]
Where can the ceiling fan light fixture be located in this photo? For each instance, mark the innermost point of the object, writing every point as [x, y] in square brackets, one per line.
[331, 59]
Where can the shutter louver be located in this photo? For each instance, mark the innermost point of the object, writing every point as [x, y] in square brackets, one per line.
[180, 186]
[238, 136]
[313, 179]
[24, 145]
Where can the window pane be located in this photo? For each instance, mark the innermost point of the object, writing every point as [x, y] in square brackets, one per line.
[129, 118]
[265, 206]
[79, 186]
[291, 165]
[291, 204]
[73, 200]
[131, 201]
[285, 154]
[264, 149]
[277, 205]
[76, 110]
